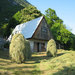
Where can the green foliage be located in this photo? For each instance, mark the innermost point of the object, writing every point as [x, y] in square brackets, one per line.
[23, 3]
[9, 7]
[13, 14]
[27, 14]
[19, 48]
[72, 39]
[3, 29]
[59, 31]
[11, 25]
[22, 16]
[52, 17]
[51, 48]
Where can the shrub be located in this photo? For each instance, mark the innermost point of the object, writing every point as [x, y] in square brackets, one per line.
[51, 48]
[19, 48]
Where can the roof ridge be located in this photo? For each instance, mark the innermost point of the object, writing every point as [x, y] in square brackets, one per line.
[34, 19]
[30, 21]
[28, 28]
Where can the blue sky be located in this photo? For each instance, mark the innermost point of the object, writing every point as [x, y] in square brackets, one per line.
[65, 9]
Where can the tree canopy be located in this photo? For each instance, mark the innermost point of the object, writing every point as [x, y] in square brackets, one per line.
[21, 16]
[60, 32]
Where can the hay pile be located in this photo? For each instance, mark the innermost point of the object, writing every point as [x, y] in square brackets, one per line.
[19, 49]
[51, 48]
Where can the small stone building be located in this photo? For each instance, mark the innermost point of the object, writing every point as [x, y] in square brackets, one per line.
[36, 31]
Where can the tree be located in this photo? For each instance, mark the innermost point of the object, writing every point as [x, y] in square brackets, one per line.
[22, 16]
[52, 17]
[11, 25]
[59, 31]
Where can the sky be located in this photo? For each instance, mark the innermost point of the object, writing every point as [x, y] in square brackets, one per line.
[65, 9]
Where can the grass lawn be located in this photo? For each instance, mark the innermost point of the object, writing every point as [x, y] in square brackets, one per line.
[39, 64]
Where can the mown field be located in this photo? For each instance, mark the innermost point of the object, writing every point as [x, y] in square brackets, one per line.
[39, 64]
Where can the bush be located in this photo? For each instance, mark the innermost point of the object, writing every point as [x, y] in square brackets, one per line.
[19, 48]
[51, 48]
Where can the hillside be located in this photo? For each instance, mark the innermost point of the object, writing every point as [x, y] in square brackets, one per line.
[10, 7]
[23, 10]
[40, 64]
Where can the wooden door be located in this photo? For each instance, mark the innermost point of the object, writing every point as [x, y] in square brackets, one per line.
[37, 47]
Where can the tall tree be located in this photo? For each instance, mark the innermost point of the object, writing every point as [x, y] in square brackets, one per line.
[22, 16]
[59, 31]
[52, 17]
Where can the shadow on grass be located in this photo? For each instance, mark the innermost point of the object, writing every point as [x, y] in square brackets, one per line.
[38, 57]
[17, 68]
[27, 72]
[66, 71]
[30, 68]
[60, 54]
[4, 54]
[27, 68]
[24, 70]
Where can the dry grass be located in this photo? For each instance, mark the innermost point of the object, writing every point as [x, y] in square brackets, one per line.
[63, 64]
[11, 68]
[51, 48]
[39, 64]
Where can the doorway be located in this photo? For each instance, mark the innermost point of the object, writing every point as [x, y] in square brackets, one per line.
[37, 47]
[43, 46]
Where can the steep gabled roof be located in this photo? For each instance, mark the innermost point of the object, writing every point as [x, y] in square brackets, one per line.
[28, 28]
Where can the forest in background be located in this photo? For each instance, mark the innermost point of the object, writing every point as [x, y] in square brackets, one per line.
[61, 34]
[14, 12]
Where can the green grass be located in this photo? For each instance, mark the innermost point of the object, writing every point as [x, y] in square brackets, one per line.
[39, 64]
